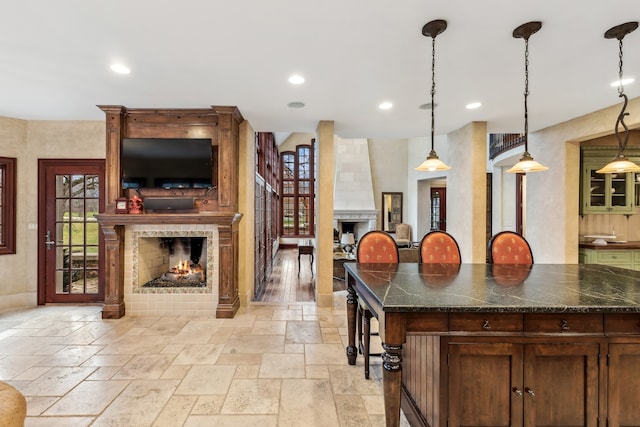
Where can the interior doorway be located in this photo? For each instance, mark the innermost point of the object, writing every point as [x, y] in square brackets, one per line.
[438, 209]
[70, 244]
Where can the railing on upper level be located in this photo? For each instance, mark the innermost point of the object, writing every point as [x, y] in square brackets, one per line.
[501, 142]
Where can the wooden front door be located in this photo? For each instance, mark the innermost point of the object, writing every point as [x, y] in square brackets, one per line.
[70, 244]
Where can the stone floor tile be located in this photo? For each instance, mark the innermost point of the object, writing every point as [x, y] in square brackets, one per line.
[88, 398]
[282, 365]
[252, 396]
[231, 421]
[175, 412]
[207, 380]
[307, 400]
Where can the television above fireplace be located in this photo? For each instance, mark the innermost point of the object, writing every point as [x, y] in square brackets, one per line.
[167, 163]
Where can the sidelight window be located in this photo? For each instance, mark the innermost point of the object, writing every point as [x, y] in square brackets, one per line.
[7, 205]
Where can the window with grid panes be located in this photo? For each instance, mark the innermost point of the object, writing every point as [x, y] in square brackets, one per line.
[297, 180]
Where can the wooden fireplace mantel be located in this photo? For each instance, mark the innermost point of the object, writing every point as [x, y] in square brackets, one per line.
[219, 123]
[113, 226]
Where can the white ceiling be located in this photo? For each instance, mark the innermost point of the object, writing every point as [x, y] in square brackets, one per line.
[354, 54]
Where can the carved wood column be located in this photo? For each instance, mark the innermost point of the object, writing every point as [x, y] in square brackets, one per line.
[228, 296]
[114, 273]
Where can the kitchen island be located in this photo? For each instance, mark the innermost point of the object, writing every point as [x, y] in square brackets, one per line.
[481, 344]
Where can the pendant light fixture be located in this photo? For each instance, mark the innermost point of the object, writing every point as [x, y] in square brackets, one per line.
[432, 29]
[621, 164]
[526, 163]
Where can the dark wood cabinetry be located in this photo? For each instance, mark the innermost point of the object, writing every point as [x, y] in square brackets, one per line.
[585, 377]
[517, 384]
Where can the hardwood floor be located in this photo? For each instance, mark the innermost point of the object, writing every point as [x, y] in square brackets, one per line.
[286, 284]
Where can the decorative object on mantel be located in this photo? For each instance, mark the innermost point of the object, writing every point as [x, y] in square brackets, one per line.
[432, 29]
[135, 205]
[122, 205]
[621, 164]
[526, 162]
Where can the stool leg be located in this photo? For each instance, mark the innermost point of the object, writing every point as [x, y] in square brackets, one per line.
[359, 328]
[367, 341]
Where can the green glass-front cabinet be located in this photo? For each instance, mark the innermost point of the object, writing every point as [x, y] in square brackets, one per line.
[611, 193]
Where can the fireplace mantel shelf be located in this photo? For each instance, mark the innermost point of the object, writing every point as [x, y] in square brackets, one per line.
[222, 218]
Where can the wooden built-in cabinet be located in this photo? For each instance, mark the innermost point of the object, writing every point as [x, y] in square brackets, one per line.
[530, 370]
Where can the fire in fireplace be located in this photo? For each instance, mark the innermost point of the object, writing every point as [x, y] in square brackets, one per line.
[173, 262]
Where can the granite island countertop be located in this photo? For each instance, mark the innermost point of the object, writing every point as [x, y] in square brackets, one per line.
[541, 288]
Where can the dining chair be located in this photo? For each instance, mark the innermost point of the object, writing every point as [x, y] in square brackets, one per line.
[508, 247]
[374, 247]
[439, 247]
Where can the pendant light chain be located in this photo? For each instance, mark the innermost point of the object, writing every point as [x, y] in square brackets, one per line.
[620, 85]
[526, 93]
[433, 88]
[622, 141]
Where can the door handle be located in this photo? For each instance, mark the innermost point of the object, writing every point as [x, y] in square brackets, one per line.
[48, 242]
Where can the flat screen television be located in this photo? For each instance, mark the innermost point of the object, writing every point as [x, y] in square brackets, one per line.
[166, 163]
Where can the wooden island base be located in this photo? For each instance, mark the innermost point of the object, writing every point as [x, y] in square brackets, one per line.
[511, 346]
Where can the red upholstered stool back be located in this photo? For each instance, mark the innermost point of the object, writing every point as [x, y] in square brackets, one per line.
[377, 247]
[508, 247]
[439, 247]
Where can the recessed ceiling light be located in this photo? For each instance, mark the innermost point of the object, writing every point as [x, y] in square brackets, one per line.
[626, 81]
[296, 79]
[385, 105]
[296, 104]
[120, 69]
[473, 105]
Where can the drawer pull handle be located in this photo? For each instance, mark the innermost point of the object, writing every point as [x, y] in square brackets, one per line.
[564, 325]
[517, 391]
[486, 325]
[531, 393]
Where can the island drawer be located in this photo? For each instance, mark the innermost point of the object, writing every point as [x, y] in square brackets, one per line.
[613, 256]
[563, 323]
[622, 323]
[485, 322]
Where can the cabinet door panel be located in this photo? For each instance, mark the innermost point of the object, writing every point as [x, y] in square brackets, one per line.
[624, 385]
[561, 384]
[484, 382]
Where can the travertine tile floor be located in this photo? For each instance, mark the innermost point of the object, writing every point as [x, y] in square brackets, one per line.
[272, 365]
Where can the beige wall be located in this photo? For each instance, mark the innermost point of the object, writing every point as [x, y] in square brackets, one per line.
[466, 190]
[246, 205]
[294, 140]
[324, 207]
[29, 141]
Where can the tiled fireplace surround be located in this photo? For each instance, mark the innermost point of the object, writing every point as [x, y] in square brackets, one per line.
[174, 300]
